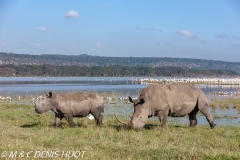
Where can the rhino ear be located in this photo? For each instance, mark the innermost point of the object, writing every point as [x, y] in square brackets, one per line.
[142, 100]
[130, 99]
[50, 94]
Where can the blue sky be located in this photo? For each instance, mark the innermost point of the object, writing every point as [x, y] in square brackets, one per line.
[172, 28]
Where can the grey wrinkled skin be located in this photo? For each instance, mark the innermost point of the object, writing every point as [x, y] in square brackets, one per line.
[69, 105]
[175, 100]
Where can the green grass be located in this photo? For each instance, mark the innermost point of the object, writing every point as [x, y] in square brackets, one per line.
[23, 130]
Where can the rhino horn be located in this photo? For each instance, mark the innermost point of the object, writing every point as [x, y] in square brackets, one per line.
[35, 105]
[125, 123]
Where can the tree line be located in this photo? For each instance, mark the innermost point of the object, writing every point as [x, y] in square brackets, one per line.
[108, 71]
[88, 60]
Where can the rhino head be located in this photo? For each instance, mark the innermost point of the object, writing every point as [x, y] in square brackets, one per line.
[140, 115]
[45, 105]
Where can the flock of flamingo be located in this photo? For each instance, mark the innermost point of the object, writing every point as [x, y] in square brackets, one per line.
[222, 81]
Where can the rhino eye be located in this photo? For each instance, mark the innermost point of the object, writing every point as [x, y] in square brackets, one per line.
[140, 116]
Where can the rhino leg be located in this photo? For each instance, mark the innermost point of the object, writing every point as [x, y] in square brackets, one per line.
[162, 116]
[99, 120]
[210, 119]
[58, 119]
[69, 118]
[97, 113]
[206, 111]
[192, 117]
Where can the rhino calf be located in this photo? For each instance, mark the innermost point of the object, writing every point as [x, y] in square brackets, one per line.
[175, 100]
[69, 105]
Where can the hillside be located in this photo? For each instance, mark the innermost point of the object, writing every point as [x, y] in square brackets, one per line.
[87, 60]
[109, 71]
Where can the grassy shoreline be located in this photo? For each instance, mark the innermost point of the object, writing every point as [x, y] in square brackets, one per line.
[23, 130]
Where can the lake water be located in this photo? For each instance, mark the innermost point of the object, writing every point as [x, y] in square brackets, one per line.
[27, 86]
[124, 85]
[117, 86]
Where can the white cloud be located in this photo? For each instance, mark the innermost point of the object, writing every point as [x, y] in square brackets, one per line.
[72, 14]
[37, 45]
[186, 33]
[148, 29]
[43, 29]
[189, 35]
[98, 45]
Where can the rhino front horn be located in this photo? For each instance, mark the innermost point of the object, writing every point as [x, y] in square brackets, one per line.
[125, 123]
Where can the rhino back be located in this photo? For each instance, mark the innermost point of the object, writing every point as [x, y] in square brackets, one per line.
[178, 98]
[182, 98]
[76, 104]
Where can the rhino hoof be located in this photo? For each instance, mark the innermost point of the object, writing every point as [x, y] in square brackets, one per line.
[212, 125]
[193, 123]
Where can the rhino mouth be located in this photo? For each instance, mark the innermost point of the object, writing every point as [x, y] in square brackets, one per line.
[36, 109]
[138, 129]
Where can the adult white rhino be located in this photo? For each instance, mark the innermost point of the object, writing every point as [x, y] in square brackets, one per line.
[69, 105]
[175, 100]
